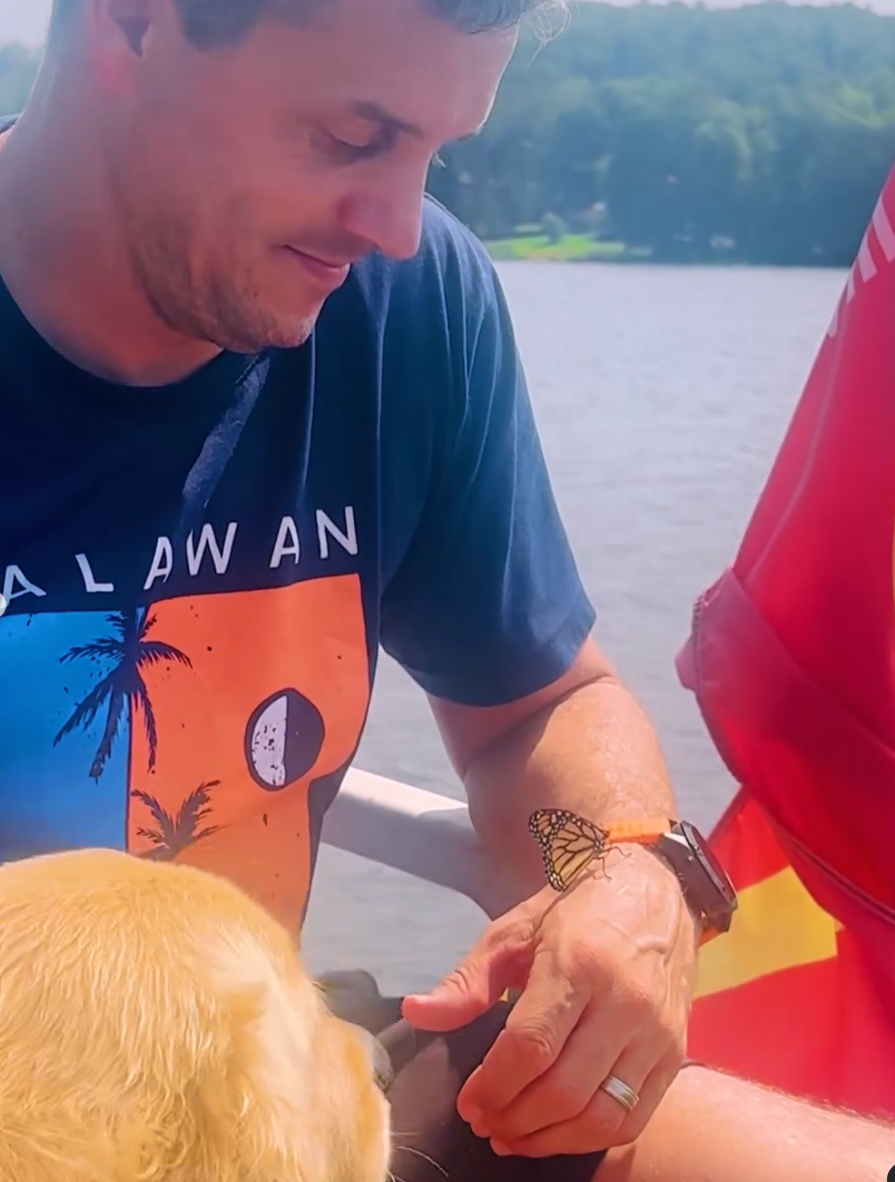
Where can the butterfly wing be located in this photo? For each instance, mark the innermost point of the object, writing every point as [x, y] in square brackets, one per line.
[568, 844]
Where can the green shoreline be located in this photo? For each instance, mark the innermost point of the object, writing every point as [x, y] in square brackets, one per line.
[582, 248]
[570, 248]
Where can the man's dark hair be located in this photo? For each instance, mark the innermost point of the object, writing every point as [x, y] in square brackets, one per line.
[209, 23]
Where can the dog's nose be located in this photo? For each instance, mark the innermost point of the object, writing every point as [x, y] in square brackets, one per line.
[400, 1043]
[383, 1070]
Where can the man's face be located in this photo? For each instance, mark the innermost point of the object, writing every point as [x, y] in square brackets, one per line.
[249, 178]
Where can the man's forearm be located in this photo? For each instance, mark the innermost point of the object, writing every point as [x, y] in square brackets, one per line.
[593, 752]
[713, 1128]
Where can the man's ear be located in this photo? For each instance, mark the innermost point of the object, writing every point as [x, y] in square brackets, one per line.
[117, 35]
[129, 20]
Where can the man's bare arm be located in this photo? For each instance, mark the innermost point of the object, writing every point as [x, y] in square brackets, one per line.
[581, 744]
[713, 1128]
[604, 972]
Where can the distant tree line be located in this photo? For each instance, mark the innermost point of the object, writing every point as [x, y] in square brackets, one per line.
[758, 134]
[762, 134]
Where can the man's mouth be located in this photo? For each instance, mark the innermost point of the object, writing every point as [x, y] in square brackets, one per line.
[328, 272]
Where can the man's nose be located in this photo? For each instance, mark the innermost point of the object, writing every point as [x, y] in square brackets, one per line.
[390, 217]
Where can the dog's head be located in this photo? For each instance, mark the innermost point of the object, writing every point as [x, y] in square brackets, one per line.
[157, 1025]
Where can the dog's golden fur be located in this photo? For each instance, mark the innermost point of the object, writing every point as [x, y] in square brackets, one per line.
[157, 1026]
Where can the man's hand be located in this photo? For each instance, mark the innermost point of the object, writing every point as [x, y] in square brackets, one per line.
[606, 972]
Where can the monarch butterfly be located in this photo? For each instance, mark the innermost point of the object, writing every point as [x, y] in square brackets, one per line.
[569, 843]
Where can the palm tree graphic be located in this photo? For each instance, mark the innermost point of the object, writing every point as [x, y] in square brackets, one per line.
[131, 651]
[174, 834]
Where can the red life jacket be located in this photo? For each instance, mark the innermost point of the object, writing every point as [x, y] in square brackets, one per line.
[792, 659]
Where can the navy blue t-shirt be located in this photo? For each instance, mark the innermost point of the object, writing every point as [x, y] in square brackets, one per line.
[198, 578]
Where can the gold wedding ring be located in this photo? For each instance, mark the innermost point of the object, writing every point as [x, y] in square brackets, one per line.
[620, 1092]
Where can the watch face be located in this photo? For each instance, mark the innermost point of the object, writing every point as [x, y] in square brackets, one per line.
[710, 864]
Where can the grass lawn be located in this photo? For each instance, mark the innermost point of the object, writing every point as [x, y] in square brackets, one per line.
[570, 248]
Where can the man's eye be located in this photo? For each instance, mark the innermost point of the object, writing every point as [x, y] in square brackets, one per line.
[348, 150]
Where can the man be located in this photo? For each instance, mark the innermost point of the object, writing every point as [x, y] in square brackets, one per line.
[262, 411]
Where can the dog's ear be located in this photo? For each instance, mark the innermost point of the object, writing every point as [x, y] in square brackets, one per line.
[158, 1024]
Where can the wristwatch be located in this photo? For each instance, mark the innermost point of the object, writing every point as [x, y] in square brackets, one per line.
[707, 889]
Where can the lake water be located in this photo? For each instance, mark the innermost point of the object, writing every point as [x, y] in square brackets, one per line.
[662, 396]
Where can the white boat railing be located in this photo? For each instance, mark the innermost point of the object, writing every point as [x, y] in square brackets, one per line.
[420, 833]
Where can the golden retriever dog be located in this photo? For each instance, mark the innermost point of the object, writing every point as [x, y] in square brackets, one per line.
[156, 1025]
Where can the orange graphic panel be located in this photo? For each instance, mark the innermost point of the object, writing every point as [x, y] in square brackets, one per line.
[269, 692]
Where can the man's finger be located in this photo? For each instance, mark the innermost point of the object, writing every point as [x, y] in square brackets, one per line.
[531, 1041]
[652, 1092]
[605, 1116]
[570, 1085]
[596, 1127]
[474, 986]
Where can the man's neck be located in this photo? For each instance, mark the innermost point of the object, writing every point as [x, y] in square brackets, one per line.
[64, 262]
